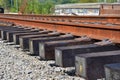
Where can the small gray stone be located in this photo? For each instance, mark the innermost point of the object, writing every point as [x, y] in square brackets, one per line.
[17, 65]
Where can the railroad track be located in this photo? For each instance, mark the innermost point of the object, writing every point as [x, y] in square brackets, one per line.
[86, 42]
[97, 27]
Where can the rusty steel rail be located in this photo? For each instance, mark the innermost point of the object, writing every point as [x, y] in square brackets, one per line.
[99, 19]
[97, 27]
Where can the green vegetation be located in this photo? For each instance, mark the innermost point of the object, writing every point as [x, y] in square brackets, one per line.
[41, 6]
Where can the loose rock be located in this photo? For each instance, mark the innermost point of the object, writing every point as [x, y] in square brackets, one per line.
[17, 65]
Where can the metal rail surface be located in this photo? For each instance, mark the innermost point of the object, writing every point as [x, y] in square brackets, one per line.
[97, 27]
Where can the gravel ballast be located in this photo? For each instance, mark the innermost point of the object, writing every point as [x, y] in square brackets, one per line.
[18, 65]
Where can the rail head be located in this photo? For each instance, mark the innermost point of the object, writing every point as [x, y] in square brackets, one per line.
[97, 27]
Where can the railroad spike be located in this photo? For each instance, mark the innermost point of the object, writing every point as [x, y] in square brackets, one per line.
[104, 42]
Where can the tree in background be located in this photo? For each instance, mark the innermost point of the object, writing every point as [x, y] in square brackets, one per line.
[1, 3]
[42, 6]
[5, 4]
[39, 7]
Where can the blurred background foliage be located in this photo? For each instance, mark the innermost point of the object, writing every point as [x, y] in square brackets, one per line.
[42, 6]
